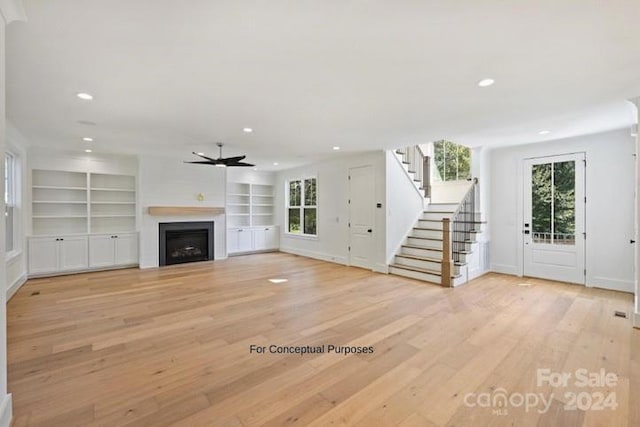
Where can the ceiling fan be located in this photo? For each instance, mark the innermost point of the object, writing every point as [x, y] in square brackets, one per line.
[221, 161]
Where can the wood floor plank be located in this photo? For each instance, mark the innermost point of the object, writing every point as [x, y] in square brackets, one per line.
[171, 347]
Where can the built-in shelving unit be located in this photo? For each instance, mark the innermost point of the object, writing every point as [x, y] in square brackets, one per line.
[66, 203]
[113, 199]
[59, 202]
[249, 205]
[250, 221]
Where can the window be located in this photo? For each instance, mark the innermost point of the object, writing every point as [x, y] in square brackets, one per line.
[302, 207]
[9, 200]
[452, 161]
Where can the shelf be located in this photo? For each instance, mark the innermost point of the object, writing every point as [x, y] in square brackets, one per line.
[55, 187]
[61, 202]
[262, 214]
[185, 210]
[113, 203]
[239, 194]
[124, 190]
[238, 204]
[113, 216]
[262, 195]
[57, 216]
[259, 204]
[238, 214]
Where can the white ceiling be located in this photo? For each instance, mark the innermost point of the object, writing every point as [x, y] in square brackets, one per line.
[310, 75]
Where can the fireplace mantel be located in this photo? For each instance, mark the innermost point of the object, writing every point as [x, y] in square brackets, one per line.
[184, 210]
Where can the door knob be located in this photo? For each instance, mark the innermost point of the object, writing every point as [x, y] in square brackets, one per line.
[369, 231]
[632, 241]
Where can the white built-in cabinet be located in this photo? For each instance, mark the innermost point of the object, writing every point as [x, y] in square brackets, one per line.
[74, 216]
[111, 250]
[58, 254]
[250, 220]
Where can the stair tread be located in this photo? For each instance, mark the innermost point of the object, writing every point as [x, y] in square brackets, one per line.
[421, 270]
[418, 269]
[427, 228]
[422, 247]
[425, 238]
[448, 212]
[421, 258]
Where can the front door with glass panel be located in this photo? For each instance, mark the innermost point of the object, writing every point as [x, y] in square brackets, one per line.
[554, 202]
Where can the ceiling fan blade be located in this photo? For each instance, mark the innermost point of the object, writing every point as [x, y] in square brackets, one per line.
[233, 159]
[204, 157]
[239, 164]
[204, 163]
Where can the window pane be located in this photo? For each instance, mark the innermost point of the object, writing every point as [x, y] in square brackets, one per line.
[541, 199]
[310, 221]
[564, 203]
[452, 161]
[310, 192]
[439, 160]
[294, 220]
[9, 229]
[294, 193]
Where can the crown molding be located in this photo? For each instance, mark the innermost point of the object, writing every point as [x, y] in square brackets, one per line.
[12, 10]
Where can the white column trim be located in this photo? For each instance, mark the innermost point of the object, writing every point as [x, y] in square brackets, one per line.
[12, 10]
[636, 317]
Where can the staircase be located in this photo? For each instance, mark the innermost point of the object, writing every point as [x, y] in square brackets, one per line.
[440, 244]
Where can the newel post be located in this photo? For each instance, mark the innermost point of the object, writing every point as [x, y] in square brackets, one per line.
[447, 262]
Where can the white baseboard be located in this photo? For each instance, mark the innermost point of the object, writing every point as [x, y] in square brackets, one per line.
[13, 288]
[505, 269]
[6, 411]
[316, 255]
[611, 284]
[381, 268]
[636, 320]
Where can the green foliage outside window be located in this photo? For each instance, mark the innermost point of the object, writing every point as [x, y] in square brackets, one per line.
[302, 207]
[452, 161]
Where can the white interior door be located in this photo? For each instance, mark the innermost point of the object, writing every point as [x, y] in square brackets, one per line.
[361, 216]
[554, 218]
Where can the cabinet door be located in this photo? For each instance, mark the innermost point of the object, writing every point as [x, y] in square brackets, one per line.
[245, 240]
[73, 253]
[272, 238]
[43, 255]
[101, 251]
[232, 240]
[126, 249]
[259, 239]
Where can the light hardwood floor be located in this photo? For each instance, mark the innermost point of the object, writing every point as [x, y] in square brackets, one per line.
[170, 347]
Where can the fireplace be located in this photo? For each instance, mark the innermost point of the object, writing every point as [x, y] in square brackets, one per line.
[182, 242]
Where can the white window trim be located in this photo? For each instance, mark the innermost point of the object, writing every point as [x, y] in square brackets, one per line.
[16, 204]
[301, 207]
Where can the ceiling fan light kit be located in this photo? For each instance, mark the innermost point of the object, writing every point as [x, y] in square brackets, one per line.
[222, 162]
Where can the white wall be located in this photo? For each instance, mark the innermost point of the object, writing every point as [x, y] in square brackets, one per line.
[10, 10]
[636, 320]
[248, 175]
[405, 204]
[333, 209]
[609, 208]
[167, 181]
[17, 261]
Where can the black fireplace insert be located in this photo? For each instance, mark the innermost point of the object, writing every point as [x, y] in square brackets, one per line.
[182, 242]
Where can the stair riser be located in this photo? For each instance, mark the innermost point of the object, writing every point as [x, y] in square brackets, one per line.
[435, 215]
[427, 253]
[447, 207]
[434, 244]
[430, 224]
[428, 265]
[416, 275]
[432, 234]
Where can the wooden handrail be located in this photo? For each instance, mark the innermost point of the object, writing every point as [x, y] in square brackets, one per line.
[447, 261]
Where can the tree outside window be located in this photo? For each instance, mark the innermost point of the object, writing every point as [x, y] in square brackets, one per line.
[302, 209]
[452, 161]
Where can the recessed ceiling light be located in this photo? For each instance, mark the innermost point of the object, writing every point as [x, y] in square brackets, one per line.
[87, 150]
[87, 139]
[247, 130]
[86, 122]
[336, 148]
[255, 169]
[486, 82]
[544, 132]
[85, 96]
[220, 165]
[200, 154]
[275, 163]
